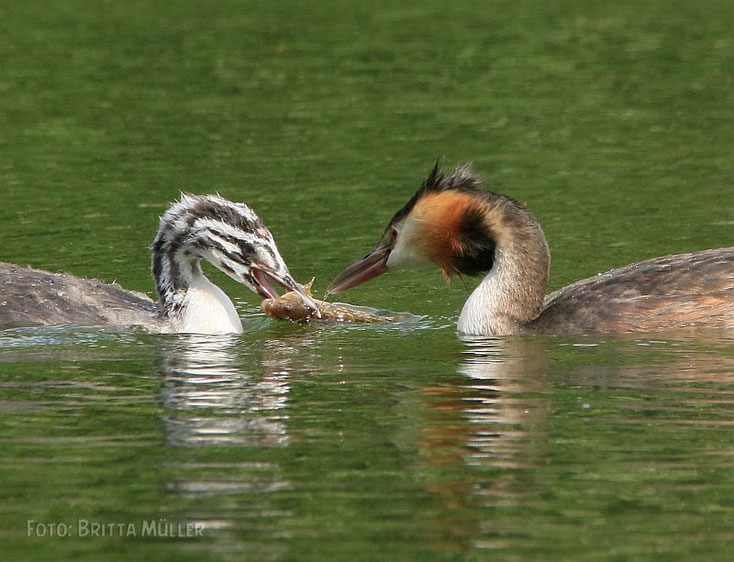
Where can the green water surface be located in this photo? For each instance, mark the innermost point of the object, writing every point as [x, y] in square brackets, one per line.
[613, 121]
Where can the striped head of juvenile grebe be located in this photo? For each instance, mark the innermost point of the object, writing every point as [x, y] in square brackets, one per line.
[228, 235]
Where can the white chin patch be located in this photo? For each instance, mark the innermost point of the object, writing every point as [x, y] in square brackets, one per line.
[406, 255]
[406, 252]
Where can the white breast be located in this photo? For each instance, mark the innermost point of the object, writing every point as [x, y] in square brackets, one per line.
[208, 310]
[487, 311]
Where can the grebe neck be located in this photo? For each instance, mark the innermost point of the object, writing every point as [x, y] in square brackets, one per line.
[512, 293]
[194, 304]
[187, 298]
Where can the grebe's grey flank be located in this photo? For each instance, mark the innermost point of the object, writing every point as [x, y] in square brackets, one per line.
[228, 235]
[453, 224]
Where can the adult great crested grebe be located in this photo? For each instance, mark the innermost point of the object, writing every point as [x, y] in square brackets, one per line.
[228, 235]
[464, 230]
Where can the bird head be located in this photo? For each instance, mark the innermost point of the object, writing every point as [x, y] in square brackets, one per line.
[446, 223]
[228, 235]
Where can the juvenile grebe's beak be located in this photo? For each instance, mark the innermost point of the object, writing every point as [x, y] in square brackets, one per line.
[265, 289]
[369, 267]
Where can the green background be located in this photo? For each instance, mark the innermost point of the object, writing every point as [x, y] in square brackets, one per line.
[612, 121]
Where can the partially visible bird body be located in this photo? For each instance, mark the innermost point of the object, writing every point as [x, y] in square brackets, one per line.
[33, 297]
[676, 292]
[451, 223]
[228, 235]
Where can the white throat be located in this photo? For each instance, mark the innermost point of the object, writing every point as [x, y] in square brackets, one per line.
[511, 295]
[206, 309]
[487, 311]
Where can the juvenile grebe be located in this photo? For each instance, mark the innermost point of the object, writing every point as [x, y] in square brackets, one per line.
[464, 230]
[228, 235]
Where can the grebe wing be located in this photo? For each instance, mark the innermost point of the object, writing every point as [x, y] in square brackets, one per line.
[668, 293]
[33, 297]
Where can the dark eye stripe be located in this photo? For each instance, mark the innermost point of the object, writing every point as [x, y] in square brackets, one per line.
[216, 245]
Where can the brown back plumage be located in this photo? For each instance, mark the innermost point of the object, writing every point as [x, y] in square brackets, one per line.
[674, 292]
[33, 297]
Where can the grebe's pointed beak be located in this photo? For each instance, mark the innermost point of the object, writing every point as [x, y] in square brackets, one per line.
[369, 267]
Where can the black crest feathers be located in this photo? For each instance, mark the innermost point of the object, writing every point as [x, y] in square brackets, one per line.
[461, 178]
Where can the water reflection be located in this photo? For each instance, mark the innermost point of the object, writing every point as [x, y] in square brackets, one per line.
[227, 391]
[487, 433]
[495, 417]
[650, 363]
[481, 432]
[491, 422]
[214, 400]
[477, 426]
[505, 418]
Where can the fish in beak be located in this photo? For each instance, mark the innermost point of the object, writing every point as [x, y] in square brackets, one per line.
[265, 289]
